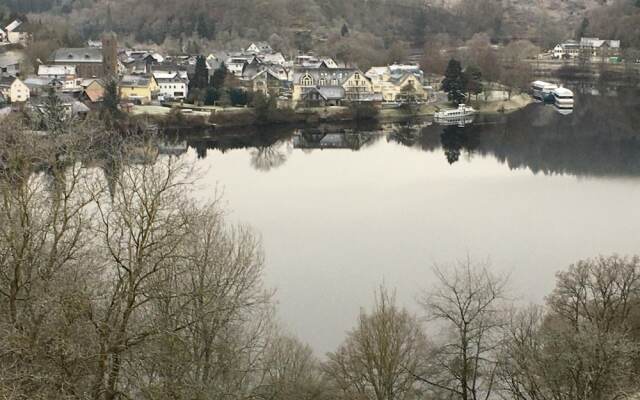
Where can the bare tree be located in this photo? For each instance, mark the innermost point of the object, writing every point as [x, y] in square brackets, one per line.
[292, 371]
[122, 287]
[45, 345]
[468, 301]
[583, 346]
[377, 359]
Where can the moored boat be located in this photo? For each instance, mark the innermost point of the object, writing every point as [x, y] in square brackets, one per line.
[543, 91]
[563, 98]
[461, 112]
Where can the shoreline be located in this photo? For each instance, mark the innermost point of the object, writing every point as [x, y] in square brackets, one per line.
[245, 117]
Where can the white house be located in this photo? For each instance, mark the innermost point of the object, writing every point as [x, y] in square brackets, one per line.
[15, 34]
[593, 48]
[235, 64]
[173, 87]
[398, 83]
[64, 73]
[14, 90]
[259, 48]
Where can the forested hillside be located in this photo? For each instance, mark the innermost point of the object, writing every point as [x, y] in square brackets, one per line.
[351, 29]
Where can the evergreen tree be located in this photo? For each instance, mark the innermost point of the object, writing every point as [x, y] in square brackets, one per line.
[110, 100]
[454, 82]
[200, 78]
[582, 29]
[54, 115]
[473, 79]
[211, 96]
[345, 30]
[238, 97]
[219, 77]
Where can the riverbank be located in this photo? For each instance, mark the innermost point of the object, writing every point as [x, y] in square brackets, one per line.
[191, 116]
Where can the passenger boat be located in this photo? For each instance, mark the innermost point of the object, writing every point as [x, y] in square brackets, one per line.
[459, 113]
[563, 98]
[543, 91]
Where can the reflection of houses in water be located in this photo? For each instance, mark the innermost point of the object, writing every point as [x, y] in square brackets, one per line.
[344, 139]
[176, 148]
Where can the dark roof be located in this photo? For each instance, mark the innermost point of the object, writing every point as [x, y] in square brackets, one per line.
[177, 79]
[7, 81]
[77, 55]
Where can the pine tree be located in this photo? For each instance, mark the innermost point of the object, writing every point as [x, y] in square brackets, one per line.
[219, 77]
[582, 29]
[200, 78]
[110, 100]
[345, 30]
[54, 115]
[454, 83]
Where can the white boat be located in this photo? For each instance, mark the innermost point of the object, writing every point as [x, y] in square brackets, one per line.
[563, 98]
[460, 113]
[542, 90]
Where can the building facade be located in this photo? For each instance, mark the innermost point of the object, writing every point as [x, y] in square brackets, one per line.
[356, 86]
[173, 88]
[14, 90]
[138, 89]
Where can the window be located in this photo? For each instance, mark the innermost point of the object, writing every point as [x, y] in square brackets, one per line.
[306, 80]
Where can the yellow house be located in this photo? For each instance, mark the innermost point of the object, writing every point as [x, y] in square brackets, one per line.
[14, 90]
[138, 89]
[398, 83]
[357, 87]
[322, 78]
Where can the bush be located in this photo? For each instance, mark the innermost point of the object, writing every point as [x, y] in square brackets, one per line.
[238, 97]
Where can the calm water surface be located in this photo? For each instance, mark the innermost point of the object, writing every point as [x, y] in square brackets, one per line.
[343, 210]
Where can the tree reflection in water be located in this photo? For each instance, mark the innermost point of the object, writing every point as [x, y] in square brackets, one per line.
[454, 139]
[266, 158]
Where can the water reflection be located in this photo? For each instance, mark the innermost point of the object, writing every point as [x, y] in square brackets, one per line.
[349, 207]
[601, 137]
[266, 158]
[334, 138]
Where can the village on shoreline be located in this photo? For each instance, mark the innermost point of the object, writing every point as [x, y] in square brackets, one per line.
[255, 85]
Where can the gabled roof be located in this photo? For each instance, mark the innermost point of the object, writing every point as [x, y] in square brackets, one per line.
[77, 55]
[267, 72]
[327, 92]
[400, 79]
[340, 75]
[7, 81]
[261, 46]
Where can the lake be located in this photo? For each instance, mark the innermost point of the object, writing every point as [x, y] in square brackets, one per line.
[342, 210]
